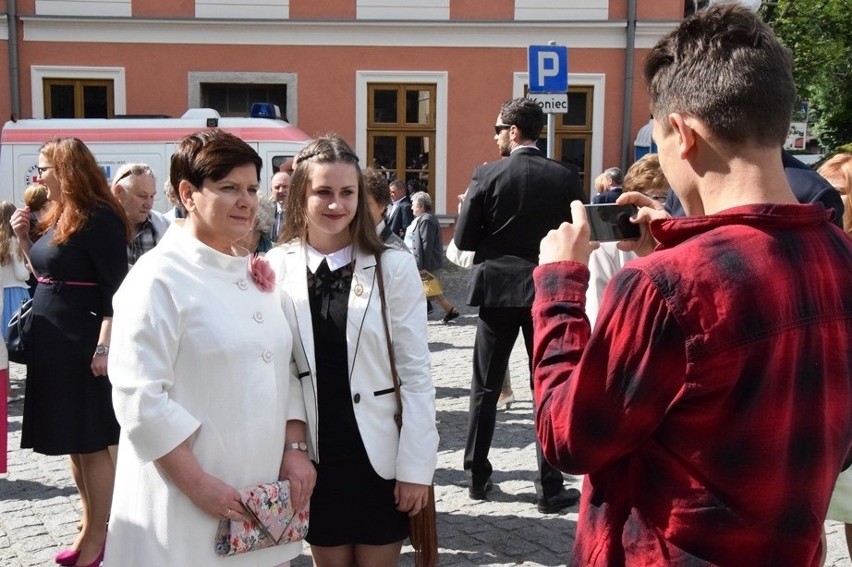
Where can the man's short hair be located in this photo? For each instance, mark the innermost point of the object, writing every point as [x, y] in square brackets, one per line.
[524, 114]
[724, 66]
[615, 175]
[377, 186]
[399, 184]
[128, 170]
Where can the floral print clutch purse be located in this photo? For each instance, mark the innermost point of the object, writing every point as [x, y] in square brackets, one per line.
[274, 521]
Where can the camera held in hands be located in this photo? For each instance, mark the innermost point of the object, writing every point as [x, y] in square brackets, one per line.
[609, 222]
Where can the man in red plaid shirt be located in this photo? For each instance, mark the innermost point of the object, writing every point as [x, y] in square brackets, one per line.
[712, 407]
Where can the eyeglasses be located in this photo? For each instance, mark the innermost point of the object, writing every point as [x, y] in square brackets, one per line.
[500, 127]
[134, 169]
[41, 170]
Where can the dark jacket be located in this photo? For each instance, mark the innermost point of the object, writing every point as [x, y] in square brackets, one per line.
[510, 206]
[401, 217]
[428, 246]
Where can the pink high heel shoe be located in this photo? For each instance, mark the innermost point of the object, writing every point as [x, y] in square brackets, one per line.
[98, 560]
[66, 557]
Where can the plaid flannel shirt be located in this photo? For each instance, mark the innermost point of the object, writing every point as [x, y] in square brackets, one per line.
[711, 407]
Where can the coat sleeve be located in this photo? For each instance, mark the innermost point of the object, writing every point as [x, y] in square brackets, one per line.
[417, 455]
[598, 396]
[143, 349]
[298, 363]
[420, 243]
[469, 223]
[106, 244]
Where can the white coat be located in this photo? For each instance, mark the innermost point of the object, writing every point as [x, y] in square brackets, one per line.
[409, 456]
[198, 352]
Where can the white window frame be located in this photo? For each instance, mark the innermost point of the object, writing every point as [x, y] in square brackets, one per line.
[402, 10]
[440, 80]
[290, 80]
[40, 72]
[243, 9]
[598, 83]
[100, 8]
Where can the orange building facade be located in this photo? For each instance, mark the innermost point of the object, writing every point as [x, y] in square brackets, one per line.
[414, 85]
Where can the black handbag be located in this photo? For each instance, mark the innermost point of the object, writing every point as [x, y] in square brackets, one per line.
[19, 330]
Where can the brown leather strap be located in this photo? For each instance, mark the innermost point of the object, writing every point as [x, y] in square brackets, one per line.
[381, 283]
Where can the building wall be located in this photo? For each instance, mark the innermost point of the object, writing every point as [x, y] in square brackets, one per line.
[478, 46]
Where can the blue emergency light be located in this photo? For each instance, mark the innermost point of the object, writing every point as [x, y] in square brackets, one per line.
[265, 110]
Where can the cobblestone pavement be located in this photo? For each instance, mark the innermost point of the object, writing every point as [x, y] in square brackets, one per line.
[39, 504]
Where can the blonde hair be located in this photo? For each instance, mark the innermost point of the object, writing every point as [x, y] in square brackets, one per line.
[645, 175]
[35, 197]
[840, 166]
[8, 242]
[600, 183]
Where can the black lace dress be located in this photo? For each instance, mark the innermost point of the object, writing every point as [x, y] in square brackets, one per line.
[351, 504]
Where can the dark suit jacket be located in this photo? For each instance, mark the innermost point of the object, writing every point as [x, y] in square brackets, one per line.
[401, 217]
[510, 206]
[608, 196]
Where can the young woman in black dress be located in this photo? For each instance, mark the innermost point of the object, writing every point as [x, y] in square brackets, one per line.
[80, 259]
[370, 476]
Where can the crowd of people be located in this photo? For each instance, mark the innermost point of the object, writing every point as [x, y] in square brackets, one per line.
[178, 359]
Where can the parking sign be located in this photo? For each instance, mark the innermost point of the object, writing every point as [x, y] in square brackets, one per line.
[548, 68]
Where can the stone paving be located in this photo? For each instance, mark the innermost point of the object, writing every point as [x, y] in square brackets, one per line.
[39, 504]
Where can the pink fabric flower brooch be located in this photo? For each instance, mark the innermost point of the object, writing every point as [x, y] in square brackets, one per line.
[262, 273]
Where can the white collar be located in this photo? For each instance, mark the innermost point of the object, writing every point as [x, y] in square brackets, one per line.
[335, 260]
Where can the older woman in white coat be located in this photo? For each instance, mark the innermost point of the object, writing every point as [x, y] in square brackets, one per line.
[370, 476]
[201, 374]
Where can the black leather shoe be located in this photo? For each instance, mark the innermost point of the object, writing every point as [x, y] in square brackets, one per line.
[478, 492]
[559, 501]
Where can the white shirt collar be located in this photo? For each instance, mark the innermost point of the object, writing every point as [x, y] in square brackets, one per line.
[524, 146]
[335, 260]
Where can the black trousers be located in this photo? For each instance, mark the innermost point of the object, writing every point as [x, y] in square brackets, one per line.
[496, 333]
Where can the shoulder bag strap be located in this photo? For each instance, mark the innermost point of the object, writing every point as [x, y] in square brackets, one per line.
[380, 281]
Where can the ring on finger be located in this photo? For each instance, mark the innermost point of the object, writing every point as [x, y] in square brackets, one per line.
[228, 515]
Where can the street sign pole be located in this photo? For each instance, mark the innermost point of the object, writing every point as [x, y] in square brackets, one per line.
[548, 85]
[551, 135]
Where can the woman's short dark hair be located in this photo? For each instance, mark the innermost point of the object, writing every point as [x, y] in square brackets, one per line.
[210, 154]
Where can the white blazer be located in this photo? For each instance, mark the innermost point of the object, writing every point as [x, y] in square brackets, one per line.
[412, 454]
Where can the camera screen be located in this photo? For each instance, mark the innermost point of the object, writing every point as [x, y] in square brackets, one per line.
[612, 222]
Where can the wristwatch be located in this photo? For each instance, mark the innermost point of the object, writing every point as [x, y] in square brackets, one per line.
[300, 445]
[101, 350]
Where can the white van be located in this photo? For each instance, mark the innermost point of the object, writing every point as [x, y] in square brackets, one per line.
[116, 141]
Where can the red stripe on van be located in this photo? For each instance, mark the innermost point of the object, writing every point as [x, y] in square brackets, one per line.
[141, 134]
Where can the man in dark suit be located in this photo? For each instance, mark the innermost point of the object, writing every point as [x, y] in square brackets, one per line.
[399, 212]
[510, 205]
[613, 179]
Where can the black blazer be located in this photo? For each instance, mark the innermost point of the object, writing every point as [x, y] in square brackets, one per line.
[401, 217]
[510, 206]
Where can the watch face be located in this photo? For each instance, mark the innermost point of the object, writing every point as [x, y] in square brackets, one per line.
[101, 349]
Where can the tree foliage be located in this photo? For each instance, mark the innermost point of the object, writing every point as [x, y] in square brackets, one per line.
[819, 33]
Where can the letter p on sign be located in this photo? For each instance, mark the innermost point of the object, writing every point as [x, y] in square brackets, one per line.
[548, 68]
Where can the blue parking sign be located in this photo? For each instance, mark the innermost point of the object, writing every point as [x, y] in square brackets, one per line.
[548, 68]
